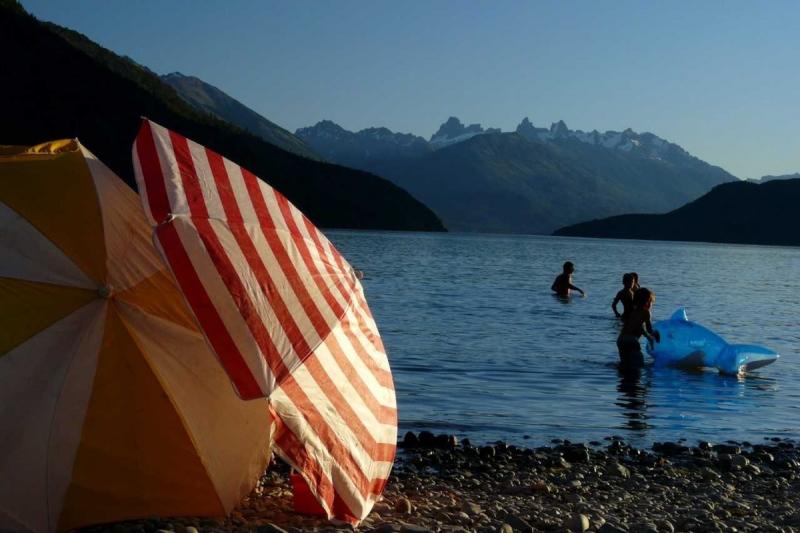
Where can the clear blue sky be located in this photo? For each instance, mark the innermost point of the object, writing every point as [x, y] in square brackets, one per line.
[720, 78]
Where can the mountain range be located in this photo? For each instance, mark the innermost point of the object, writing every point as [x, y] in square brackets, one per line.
[741, 212]
[334, 143]
[60, 84]
[532, 180]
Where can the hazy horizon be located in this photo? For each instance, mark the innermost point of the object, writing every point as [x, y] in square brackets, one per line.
[717, 78]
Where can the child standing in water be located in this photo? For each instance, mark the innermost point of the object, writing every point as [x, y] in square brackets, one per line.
[636, 324]
[625, 296]
[563, 282]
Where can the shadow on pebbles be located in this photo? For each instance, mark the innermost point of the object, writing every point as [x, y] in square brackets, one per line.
[441, 484]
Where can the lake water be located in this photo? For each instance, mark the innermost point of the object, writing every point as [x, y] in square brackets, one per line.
[480, 348]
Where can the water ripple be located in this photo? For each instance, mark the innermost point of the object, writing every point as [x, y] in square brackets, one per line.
[480, 348]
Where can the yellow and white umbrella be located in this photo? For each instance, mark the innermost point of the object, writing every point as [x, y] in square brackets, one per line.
[111, 404]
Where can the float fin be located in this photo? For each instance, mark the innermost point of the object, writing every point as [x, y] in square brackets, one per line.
[680, 314]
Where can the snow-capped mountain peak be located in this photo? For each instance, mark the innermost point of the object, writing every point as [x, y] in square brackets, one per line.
[453, 131]
[628, 140]
[332, 141]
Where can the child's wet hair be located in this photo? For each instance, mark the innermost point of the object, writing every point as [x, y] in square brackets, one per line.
[568, 266]
[643, 296]
[627, 278]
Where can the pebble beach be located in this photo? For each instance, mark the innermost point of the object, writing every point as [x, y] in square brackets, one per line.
[442, 484]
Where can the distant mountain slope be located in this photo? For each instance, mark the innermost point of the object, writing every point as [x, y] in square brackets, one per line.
[60, 84]
[503, 183]
[764, 179]
[740, 212]
[531, 181]
[360, 149]
[208, 98]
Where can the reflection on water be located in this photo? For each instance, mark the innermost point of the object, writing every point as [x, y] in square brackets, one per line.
[563, 299]
[632, 400]
[480, 347]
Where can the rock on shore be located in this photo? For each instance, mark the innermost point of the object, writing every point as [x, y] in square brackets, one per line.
[439, 484]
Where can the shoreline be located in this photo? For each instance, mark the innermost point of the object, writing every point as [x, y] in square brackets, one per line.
[441, 484]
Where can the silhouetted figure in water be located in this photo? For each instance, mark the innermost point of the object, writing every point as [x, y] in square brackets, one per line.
[636, 324]
[624, 296]
[563, 282]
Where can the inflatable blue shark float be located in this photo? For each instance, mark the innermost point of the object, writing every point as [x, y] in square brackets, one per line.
[687, 344]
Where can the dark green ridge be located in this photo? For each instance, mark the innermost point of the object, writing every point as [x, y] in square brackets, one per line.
[59, 84]
[739, 212]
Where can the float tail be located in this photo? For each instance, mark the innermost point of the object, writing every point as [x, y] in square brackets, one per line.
[741, 358]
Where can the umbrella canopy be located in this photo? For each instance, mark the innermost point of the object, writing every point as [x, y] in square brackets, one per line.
[283, 311]
[111, 404]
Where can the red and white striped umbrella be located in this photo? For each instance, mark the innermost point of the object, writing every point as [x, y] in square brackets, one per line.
[282, 310]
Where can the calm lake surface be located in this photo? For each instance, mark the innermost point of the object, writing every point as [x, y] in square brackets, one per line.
[480, 348]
